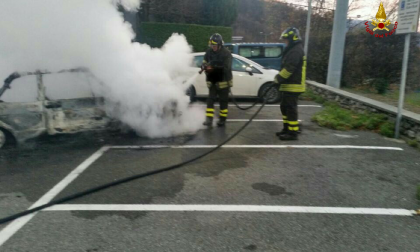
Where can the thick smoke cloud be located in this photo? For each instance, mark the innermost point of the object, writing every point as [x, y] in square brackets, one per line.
[144, 87]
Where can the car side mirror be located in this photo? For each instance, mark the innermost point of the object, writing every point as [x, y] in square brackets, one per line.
[249, 70]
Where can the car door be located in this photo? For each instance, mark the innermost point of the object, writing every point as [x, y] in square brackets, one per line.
[244, 83]
[21, 110]
[71, 106]
[200, 82]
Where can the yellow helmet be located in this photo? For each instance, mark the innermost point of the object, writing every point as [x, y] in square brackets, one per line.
[216, 39]
[292, 34]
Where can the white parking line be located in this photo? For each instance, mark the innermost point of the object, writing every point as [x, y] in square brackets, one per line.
[256, 120]
[274, 105]
[13, 227]
[260, 147]
[235, 208]
[259, 105]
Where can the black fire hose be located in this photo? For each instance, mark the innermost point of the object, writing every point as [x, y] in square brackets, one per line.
[131, 178]
[250, 107]
[256, 102]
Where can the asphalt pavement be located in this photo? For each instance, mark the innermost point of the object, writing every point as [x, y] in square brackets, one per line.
[329, 191]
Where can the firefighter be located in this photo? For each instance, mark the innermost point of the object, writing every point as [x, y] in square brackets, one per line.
[217, 64]
[291, 79]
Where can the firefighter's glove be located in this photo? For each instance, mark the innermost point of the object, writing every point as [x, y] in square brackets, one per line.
[204, 66]
[277, 79]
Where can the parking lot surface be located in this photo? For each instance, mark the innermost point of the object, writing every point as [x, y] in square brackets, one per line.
[329, 191]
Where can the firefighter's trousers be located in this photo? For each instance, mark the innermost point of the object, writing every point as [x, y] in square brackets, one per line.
[223, 95]
[289, 110]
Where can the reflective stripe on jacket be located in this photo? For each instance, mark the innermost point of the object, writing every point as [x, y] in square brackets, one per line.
[292, 76]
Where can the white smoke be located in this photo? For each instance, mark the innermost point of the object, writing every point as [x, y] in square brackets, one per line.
[145, 86]
[129, 5]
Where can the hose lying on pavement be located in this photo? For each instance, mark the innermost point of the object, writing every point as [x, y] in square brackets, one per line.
[247, 108]
[273, 85]
[135, 177]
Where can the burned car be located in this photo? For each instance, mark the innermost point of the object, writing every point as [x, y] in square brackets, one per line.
[20, 121]
[51, 114]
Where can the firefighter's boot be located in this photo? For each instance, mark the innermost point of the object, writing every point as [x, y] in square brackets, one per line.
[289, 136]
[300, 128]
[208, 122]
[221, 122]
[284, 130]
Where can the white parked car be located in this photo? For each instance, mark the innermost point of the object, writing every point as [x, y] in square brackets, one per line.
[249, 79]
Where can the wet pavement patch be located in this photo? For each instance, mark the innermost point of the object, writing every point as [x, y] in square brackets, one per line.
[92, 250]
[227, 160]
[94, 215]
[273, 190]
[385, 179]
[251, 247]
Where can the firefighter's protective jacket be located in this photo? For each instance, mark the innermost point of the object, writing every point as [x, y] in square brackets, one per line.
[292, 76]
[221, 62]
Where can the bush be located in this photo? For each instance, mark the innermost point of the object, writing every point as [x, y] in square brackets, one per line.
[381, 85]
[156, 34]
[413, 143]
[309, 95]
[387, 129]
[335, 117]
[418, 192]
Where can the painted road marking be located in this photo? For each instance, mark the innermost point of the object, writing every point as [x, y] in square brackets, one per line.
[346, 136]
[256, 120]
[274, 105]
[259, 147]
[259, 105]
[235, 208]
[13, 227]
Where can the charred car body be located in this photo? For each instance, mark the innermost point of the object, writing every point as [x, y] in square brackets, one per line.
[20, 121]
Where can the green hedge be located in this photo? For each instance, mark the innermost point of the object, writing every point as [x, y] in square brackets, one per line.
[156, 34]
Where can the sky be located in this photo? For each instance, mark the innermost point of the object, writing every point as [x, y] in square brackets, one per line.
[362, 9]
[366, 9]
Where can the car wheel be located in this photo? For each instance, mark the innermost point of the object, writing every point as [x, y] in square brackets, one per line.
[191, 93]
[272, 93]
[2, 138]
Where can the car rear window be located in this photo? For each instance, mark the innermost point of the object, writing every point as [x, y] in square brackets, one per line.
[272, 52]
[198, 61]
[229, 47]
[251, 51]
[260, 51]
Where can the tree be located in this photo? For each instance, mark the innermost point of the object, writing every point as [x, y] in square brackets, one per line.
[251, 20]
[215, 12]
[219, 12]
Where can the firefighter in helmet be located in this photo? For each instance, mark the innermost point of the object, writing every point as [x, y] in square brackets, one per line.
[217, 65]
[291, 79]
